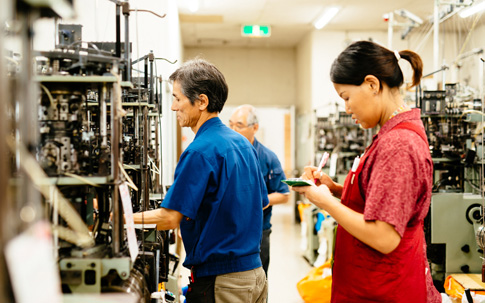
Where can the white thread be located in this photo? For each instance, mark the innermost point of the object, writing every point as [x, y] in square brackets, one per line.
[396, 53]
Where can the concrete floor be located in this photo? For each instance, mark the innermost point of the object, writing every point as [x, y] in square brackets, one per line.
[287, 265]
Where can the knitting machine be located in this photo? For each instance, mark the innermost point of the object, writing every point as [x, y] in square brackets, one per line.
[453, 122]
[340, 136]
[94, 156]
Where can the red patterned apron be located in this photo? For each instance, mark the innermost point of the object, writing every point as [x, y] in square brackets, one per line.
[361, 273]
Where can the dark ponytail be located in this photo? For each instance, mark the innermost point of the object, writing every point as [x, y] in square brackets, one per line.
[364, 58]
[416, 63]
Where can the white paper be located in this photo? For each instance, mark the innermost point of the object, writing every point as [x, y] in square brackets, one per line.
[34, 272]
[130, 226]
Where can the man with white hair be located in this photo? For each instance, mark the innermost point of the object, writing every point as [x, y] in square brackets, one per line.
[245, 121]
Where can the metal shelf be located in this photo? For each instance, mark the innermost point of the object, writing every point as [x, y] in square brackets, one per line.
[76, 79]
[126, 104]
[158, 196]
[435, 160]
[63, 181]
[440, 116]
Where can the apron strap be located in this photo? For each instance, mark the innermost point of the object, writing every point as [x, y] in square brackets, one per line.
[413, 127]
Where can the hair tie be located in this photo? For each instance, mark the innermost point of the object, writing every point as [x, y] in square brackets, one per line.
[396, 53]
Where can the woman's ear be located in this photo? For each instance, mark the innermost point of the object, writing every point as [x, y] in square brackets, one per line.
[373, 84]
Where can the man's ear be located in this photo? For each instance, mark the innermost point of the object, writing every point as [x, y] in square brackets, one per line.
[373, 84]
[256, 127]
[204, 102]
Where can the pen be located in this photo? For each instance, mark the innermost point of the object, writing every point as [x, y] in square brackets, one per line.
[322, 163]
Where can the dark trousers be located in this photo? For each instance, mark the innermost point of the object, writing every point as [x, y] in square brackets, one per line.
[265, 250]
[201, 290]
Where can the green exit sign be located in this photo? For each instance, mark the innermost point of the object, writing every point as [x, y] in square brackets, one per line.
[251, 30]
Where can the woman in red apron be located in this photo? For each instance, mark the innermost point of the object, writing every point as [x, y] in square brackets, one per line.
[380, 251]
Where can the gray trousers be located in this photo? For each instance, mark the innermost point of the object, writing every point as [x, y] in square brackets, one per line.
[241, 287]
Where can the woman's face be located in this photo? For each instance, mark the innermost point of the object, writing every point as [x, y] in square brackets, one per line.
[359, 102]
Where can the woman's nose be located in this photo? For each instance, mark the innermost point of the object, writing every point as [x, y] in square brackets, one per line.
[347, 109]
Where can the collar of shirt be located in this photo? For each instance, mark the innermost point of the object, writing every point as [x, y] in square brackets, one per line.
[413, 114]
[256, 143]
[207, 124]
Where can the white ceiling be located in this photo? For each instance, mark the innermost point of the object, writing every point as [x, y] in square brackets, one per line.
[218, 22]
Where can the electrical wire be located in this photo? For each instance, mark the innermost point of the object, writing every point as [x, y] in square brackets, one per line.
[475, 21]
[155, 168]
[48, 93]
[148, 11]
[128, 179]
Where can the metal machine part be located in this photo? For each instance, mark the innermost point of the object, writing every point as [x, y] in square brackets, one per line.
[96, 132]
[451, 138]
[66, 116]
[68, 34]
[453, 219]
[340, 135]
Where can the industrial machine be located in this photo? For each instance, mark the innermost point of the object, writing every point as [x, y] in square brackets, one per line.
[339, 135]
[85, 152]
[453, 121]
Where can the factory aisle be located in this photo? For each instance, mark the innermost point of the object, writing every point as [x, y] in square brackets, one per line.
[287, 265]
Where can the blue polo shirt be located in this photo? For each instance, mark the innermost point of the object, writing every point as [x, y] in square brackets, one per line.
[220, 191]
[273, 174]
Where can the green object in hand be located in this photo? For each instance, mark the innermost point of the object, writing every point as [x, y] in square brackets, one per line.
[297, 182]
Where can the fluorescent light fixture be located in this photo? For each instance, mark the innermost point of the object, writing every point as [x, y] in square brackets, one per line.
[325, 17]
[467, 12]
[193, 5]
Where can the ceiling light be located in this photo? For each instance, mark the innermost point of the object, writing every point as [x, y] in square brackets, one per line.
[467, 12]
[325, 17]
[193, 5]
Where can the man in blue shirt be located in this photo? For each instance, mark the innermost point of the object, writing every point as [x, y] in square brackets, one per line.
[217, 196]
[245, 121]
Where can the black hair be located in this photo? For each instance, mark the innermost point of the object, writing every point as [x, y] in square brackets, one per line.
[364, 58]
[198, 77]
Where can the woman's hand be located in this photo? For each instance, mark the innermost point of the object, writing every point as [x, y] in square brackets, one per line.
[321, 178]
[318, 195]
[377, 234]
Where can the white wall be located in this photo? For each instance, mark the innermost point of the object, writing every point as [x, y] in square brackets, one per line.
[258, 76]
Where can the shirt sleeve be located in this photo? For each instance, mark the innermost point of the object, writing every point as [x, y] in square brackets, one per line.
[393, 186]
[262, 181]
[191, 178]
[275, 176]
